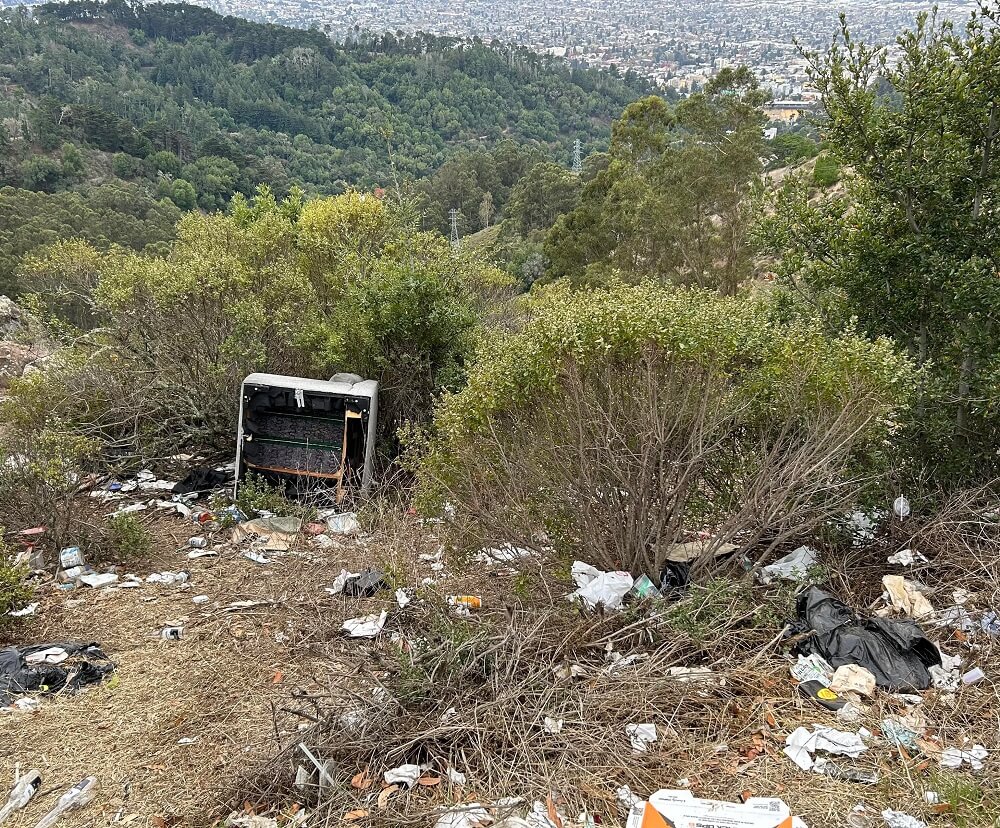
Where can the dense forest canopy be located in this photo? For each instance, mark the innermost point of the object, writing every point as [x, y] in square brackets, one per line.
[192, 107]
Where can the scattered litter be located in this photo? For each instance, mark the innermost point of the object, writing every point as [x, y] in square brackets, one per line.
[906, 557]
[454, 776]
[31, 609]
[850, 678]
[822, 695]
[794, 566]
[25, 788]
[257, 557]
[167, 578]
[469, 602]
[905, 597]
[404, 775]
[505, 553]
[683, 808]
[801, 744]
[340, 582]
[555, 726]
[367, 626]
[898, 819]
[130, 509]
[641, 736]
[202, 479]
[896, 652]
[71, 557]
[174, 505]
[957, 617]
[187, 740]
[345, 523]
[174, 633]
[974, 675]
[365, 584]
[597, 587]
[80, 795]
[472, 815]
[200, 599]
[643, 588]
[946, 676]
[835, 771]
[22, 672]
[50, 655]
[862, 526]
[96, 580]
[812, 668]
[901, 507]
[690, 551]
[274, 534]
[627, 799]
[898, 732]
[197, 542]
[402, 598]
[696, 675]
[202, 553]
[236, 606]
[850, 713]
[954, 758]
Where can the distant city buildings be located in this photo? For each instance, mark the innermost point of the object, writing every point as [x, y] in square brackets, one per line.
[677, 44]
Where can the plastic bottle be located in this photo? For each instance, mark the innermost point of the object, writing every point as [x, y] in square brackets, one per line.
[81, 794]
[27, 786]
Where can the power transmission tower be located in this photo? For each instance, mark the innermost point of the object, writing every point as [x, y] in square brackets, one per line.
[453, 215]
[577, 156]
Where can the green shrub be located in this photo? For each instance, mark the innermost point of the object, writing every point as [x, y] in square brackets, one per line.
[336, 284]
[127, 538]
[15, 591]
[256, 496]
[619, 421]
[827, 171]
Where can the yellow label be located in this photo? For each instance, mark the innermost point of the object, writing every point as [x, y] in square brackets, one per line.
[827, 694]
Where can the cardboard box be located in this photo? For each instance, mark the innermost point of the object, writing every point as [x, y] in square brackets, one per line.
[682, 809]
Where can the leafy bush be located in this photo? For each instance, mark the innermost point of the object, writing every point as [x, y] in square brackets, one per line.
[826, 172]
[338, 284]
[40, 469]
[15, 592]
[256, 496]
[620, 421]
[127, 538]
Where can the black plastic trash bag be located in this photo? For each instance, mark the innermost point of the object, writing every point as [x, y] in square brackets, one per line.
[18, 676]
[897, 653]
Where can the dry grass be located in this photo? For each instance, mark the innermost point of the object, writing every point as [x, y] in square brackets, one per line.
[496, 668]
[217, 684]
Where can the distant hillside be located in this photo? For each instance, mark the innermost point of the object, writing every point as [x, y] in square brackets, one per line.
[282, 104]
[191, 106]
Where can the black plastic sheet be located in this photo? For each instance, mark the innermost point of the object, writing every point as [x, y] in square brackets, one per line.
[896, 652]
[86, 664]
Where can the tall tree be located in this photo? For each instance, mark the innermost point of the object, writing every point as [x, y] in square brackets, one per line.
[672, 202]
[912, 247]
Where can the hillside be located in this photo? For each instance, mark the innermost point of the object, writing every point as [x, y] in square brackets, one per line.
[193, 106]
